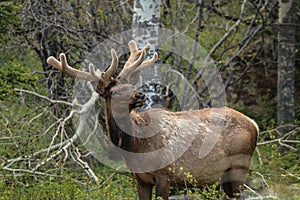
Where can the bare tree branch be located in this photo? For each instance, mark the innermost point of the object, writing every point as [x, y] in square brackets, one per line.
[44, 97]
[283, 140]
[62, 147]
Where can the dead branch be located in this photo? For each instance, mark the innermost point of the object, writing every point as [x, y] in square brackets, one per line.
[82, 121]
[77, 158]
[283, 141]
[61, 148]
[44, 97]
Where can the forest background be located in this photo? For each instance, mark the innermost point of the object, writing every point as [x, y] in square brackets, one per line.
[254, 43]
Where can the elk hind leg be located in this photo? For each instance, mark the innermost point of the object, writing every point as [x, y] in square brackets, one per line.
[233, 181]
[162, 189]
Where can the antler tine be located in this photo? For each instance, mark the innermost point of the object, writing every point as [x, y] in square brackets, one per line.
[148, 62]
[134, 54]
[135, 60]
[63, 66]
[113, 66]
[92, 70]
[132, 46]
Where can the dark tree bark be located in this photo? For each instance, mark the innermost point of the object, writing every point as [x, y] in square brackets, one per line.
[286, 62]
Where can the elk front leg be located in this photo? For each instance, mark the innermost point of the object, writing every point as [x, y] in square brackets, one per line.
[162, 188]
[144, 190]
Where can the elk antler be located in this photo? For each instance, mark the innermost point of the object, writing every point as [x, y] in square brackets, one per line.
[92, 75]
[135, 61]
[132, 65]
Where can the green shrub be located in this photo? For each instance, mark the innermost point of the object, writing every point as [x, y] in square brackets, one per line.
[14, 75]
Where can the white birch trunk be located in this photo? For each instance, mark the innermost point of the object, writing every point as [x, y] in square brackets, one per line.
[146, 22]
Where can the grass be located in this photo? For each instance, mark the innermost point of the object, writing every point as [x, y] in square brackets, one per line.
[120, 186]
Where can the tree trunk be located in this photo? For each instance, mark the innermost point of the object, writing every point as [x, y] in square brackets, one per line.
[286, 63]
[146, 22]
[146, 15]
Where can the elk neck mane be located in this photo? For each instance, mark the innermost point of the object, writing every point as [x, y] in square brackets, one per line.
[115, 133]
[122, 126]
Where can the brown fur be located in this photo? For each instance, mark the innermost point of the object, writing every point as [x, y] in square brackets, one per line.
[228, 161]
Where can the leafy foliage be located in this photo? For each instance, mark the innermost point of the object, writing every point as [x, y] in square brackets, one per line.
[15, 75]
[8, 17]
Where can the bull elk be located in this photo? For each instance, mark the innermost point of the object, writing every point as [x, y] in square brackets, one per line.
[227, 161]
